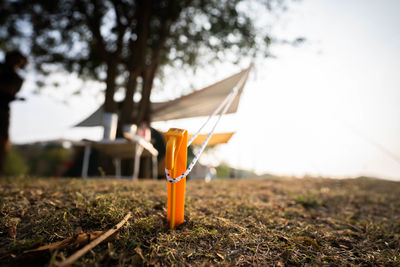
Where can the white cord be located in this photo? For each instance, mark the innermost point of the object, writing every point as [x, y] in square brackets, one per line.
[203, 146]
[225, 104]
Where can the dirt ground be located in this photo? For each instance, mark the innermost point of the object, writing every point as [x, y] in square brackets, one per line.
[282, 221]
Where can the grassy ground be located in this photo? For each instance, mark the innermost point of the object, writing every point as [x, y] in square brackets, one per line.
[228, 222]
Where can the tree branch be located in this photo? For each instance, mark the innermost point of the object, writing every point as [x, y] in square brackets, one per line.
[121, 28]
[69, 261]
[94, 27]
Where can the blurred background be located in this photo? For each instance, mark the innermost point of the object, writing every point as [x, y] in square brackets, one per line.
[323, 98]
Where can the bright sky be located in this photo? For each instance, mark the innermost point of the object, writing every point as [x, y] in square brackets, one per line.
[330, 107]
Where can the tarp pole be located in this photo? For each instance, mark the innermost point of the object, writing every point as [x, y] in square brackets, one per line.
[86, 157]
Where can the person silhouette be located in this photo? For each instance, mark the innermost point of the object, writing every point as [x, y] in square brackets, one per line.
[10, 84]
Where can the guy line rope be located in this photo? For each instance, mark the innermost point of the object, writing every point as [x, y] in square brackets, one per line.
[224, 106]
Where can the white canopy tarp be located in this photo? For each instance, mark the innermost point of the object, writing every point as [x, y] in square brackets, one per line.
[199, 103]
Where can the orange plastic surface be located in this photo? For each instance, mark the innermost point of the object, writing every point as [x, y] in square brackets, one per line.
[175, 162]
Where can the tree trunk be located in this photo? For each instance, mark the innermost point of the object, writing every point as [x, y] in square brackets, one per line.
[138, 60]
[127, 106]
[144, 113]
[109, 103]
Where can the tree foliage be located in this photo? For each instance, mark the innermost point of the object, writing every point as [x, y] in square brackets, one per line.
[126, 43]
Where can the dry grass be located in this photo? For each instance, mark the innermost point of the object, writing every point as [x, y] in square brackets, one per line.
[228, 222]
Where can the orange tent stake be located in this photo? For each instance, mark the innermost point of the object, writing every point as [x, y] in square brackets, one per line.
[175, 162]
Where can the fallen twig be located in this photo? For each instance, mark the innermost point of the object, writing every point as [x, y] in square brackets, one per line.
[71, 242]
[94, 243]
